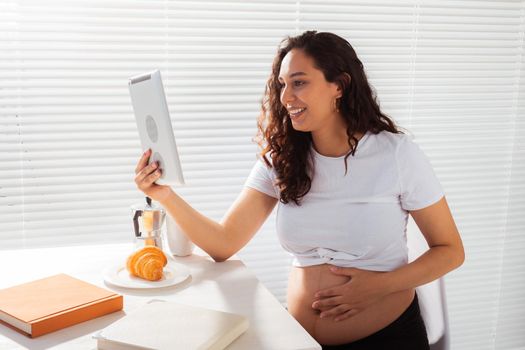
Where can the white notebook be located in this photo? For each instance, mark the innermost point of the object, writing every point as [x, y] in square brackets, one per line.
[170, 325]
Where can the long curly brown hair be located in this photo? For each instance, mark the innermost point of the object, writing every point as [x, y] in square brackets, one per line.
[289, 149]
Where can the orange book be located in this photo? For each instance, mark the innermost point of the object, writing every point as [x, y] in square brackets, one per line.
[52, 303]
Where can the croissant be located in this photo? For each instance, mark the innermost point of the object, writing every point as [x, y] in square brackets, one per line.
[147, 263]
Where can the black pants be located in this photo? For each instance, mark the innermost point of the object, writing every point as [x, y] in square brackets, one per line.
[407, 332]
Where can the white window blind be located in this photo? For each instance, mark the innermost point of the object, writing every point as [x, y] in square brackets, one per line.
[451, 72]
[69, 141]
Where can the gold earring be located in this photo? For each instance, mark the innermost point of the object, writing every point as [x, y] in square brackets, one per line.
[336, 105]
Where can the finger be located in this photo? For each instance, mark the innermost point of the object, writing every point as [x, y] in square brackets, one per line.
[143, 161]
[145, 180]
[154, 176]
[345, 315]
[332, 312]
[322, 309]
[327, 302]
[335, 311]
[149, 180]
[326, 293]
[148, 170]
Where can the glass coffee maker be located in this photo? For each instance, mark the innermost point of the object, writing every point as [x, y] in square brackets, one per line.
[147, 224]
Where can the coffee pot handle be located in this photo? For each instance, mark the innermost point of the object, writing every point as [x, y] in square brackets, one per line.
[136, 223]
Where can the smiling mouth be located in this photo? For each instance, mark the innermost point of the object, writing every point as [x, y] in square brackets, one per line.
[296, 113]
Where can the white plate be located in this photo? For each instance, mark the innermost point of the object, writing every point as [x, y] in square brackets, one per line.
[119, 276]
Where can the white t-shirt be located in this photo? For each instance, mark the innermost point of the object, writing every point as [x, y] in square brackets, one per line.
[358, 220]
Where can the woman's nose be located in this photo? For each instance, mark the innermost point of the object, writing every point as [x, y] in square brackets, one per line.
[286, 96]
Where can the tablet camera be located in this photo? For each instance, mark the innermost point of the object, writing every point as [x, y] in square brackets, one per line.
[151, 127]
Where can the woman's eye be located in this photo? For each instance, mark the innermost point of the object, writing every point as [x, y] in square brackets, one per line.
[295, 83]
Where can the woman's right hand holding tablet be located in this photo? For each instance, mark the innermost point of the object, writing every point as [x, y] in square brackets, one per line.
[145, 177]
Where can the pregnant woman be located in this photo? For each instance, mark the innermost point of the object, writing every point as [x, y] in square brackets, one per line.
[344, 180]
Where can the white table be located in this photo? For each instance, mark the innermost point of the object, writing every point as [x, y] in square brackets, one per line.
[228, 286]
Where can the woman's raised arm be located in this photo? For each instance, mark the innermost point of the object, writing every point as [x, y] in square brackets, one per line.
[220, 240]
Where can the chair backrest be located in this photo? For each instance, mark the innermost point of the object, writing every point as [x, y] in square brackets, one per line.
[431, 296]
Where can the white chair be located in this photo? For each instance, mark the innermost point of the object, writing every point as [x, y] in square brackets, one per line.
[431, 296]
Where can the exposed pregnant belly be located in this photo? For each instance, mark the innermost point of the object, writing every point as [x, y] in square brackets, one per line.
[304, 282]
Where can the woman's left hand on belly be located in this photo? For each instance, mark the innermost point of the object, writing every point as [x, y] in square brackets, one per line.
[362, 290]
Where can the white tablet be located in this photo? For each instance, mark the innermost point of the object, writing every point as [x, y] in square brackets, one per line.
[154, 125]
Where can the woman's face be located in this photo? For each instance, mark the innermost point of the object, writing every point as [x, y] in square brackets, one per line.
[305, 93]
